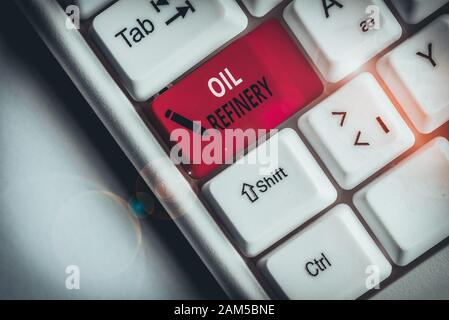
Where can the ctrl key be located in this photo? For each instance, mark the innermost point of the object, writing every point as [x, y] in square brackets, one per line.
[333, 258]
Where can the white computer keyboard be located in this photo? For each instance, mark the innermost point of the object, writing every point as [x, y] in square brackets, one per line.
[358, 90]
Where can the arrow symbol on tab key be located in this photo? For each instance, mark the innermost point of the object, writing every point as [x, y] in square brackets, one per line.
[358, 142]
[248, 190]
[182, 12]
[343, 116]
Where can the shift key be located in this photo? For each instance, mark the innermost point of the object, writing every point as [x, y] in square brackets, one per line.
[250, 87]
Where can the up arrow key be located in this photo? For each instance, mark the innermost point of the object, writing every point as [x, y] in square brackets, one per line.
[182, 12]
[248, 190]
[159, 3]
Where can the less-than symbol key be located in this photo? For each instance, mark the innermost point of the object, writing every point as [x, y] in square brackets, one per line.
[182, 12]
[357, 142]
[328, 4]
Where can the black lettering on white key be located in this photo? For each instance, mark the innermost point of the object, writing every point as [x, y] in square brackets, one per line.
[428, 56]
[342, 114]
[383, 125]
[368, 24]
[164, 47]
[327, 4]
[136, 34]
[263, 185]
[358, 142]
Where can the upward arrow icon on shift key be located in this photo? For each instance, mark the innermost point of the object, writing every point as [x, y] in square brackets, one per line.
[159, 3]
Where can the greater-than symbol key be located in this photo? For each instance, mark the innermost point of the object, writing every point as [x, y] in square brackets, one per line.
[233, 91]
[254, 224]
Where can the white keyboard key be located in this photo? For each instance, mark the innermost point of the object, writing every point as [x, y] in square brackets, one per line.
[342, 35]
[260, 202]
[417, 72]
[356, 131]
[408, 207]
[333, 258]
[151, 43]
[259, 8]
[414, 11]
[87, 8]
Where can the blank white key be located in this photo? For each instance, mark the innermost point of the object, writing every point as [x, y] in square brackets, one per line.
[151, 43]
[333, 258]
[342, 35]
[414, 11]
[261, 201]
[417, 72]
[408, 207]
[356, 131]
[259, 8]
[87, 8]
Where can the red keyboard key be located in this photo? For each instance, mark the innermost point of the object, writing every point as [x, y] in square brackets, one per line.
[255, 83]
